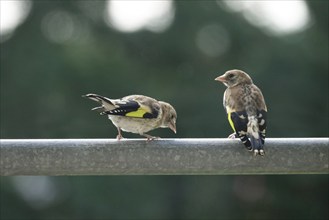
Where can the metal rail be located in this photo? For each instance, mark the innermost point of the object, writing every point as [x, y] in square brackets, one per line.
[164, 157]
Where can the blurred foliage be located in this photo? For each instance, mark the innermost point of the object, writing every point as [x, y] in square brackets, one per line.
[42, 83]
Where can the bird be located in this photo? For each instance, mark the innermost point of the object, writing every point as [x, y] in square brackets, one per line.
[136, 114]
[246, 109]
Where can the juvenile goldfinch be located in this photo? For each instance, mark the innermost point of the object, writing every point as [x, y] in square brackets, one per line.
[246, 109]
[136, 114]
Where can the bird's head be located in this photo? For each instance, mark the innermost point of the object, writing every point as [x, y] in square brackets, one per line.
[234, 77]
[169, 116]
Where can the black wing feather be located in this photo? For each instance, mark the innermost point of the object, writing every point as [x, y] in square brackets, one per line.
[124, 108]
[240, 122]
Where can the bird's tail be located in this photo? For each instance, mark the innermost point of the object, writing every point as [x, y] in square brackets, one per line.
[106, 103]
[254, 134]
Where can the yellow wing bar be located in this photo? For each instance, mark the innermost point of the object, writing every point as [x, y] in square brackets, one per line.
[230, 120]
[137, 114]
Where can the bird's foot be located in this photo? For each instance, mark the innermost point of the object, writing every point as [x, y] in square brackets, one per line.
[232, 136]
[119, 137]
[150, 138]
[260, 152]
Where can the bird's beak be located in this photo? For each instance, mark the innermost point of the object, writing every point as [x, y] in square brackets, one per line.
[172, 127]
[221, 78]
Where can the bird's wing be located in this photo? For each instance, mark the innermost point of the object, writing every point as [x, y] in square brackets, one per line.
[239, 123]
[106, 103]
[135, 106]
[262, 123]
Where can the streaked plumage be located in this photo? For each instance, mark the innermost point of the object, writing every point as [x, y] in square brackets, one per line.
[246, 109]
[136, 113]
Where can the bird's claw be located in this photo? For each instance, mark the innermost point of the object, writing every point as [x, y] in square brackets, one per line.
[119, 137]
[151, 138]
[231, 136]
[260, 152]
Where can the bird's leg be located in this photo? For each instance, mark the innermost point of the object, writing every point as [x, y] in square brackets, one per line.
[261, 149]
[149, 137]
[258, 144]
[119, 136]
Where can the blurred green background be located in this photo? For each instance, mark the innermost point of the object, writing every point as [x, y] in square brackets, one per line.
[52, 52]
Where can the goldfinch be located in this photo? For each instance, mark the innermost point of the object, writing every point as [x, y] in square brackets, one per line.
[136, 114]
[246, 109]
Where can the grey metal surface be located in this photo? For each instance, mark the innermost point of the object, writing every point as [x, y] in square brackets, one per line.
[164, 157]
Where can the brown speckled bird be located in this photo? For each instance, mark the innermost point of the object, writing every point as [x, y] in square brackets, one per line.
[246, 109]
[136, 113]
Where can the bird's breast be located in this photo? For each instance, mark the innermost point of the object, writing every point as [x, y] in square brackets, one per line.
[134, 125]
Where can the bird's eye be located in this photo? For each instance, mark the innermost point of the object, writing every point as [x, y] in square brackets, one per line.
[231, 75]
